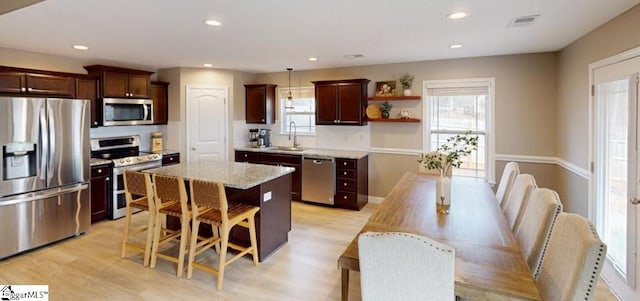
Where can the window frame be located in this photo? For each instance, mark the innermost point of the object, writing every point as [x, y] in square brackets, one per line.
[283, 129]
[488, 82]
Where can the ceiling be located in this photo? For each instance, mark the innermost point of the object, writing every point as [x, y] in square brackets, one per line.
[268, 36]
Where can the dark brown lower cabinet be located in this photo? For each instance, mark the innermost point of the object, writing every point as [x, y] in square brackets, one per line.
[294, 161]
[352, 183]
[101, 185]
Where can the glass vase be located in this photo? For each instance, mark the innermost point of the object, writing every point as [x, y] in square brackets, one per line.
[443, 194]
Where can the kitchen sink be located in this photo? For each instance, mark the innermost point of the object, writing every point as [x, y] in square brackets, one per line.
[290, 148]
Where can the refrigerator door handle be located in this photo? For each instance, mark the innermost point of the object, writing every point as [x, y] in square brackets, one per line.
[34, 196]
[52, 141]
[44, 143]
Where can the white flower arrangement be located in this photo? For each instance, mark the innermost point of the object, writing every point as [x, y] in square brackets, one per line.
[450, 154]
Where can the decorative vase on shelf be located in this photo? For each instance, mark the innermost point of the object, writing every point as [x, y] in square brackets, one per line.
[385, 115]
[406, 92]
[443, 194]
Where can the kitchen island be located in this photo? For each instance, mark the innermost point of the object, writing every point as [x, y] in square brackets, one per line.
[264, 186]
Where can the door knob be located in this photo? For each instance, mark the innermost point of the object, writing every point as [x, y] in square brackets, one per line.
[634, 201]
[193, 148]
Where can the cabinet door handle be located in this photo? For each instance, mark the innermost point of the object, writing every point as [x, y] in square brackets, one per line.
[345, 184]
[95, 123]
[99, 170]
[262, 120]
[23, 89]
[345, 173]
[344, 197]
[344, 163]
[245, 155]
[108, 178]
[30, 89]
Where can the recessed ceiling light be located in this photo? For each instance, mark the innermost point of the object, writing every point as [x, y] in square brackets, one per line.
[80, 47]
[213, 22]
[454, 46]
[313, 59]
[456, 15]
[208, 65]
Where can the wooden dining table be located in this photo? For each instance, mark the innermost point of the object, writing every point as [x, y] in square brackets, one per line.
[489, 263]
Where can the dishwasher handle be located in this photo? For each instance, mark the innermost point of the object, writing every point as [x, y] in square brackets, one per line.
[319, 160]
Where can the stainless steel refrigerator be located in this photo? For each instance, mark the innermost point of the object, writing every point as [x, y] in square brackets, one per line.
[44, 171]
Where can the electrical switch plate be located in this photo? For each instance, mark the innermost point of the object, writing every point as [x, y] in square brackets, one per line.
[267, 196]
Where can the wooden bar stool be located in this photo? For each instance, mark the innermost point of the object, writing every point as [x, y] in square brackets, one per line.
[210, 206]
[171, 199]
[138, 185]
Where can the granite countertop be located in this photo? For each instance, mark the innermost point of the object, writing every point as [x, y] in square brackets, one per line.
[308, 152]
[97, 161]
[231, 174]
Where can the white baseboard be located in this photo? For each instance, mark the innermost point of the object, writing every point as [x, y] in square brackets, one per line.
[375, 199]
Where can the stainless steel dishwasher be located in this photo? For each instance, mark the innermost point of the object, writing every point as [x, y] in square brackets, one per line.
[318, 179]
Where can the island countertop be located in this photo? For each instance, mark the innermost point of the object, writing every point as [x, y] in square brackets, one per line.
[231, 174]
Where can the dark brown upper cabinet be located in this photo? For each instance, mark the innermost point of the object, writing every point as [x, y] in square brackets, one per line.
[122, 82]
[87, 88]
[160, 97]
[36, 83]
[341, 102]
[260, 102]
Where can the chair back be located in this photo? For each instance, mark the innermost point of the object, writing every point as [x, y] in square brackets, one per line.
[209, 195]
[170, 189]
[535, 227]
[573, 261]
[516, 200]
[404, 266]
[138, 184]
[509, 174]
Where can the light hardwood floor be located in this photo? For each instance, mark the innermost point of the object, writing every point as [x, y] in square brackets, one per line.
[89, 267]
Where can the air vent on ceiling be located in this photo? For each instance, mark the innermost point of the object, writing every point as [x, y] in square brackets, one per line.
[523, 21]
[353, 56]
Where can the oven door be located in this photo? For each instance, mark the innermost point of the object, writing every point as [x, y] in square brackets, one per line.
[118, 111]
[119, 206]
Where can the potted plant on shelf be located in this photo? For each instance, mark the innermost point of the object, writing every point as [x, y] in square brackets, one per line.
[385, 108]
[406, 81]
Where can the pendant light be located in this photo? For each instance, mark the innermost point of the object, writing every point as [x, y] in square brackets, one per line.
[289, 96]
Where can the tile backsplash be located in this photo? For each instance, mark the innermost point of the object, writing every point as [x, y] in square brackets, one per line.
[144, 131]
[327, 137]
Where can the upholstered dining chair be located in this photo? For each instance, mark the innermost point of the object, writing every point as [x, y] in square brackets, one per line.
[509, 174]
[210, 206]
[516, 200]
[573, 260]
[404, 266]
[138, 193]
[170, 200]
[535, 227]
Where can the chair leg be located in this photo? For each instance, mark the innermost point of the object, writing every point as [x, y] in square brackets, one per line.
[214, 230]
[224, 233]
[184, 237]
[150, 230]
[254, 242]
[157, 231]
[192, 247]
[125, 238]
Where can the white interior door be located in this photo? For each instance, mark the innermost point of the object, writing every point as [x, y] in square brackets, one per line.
[616, 177]
[206, 128]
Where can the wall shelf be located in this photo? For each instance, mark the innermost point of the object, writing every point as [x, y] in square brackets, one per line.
[393, 98]
[408, 120]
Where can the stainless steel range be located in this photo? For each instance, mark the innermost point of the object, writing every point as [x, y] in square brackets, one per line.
[125, 154]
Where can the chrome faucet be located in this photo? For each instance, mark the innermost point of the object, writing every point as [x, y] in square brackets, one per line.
[295, 132]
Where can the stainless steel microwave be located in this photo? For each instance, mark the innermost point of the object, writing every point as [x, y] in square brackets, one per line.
[119, 111]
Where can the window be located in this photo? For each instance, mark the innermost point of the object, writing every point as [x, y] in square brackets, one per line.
[301, 109]
[455, 107]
